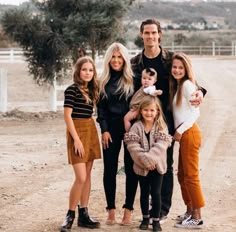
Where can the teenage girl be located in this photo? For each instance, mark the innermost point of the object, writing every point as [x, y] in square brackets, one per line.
[83, 145]
[187, 133]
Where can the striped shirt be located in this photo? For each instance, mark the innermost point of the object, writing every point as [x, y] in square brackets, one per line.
[75, 100]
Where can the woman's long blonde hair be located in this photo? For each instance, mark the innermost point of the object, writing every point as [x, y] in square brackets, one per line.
[90, 91]
[159, 121]
[126, 86]
[174, 86]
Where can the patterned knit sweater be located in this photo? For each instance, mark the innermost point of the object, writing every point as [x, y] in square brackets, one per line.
[145, 155]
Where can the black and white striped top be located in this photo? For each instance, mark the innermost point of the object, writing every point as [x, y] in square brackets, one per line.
[74, 99]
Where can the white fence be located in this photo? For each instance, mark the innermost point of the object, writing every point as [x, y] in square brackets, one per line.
[16, 55]
[11, 55]
[3, 90]
[53, 102]
[210, 50]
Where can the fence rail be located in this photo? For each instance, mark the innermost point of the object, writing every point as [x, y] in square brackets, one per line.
[11, 55]
[17, 54]
[213, 50]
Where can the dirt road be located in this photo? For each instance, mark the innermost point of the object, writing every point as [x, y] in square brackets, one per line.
[35, 178]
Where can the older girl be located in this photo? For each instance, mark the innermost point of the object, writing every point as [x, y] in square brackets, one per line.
[187, 133]
[82, 139]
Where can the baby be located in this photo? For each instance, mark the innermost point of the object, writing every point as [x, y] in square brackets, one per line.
[149, 78]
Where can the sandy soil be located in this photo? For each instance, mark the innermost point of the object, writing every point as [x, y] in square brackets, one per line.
[35, 178]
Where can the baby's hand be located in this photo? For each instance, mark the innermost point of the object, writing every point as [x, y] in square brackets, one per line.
[151, 90]
[157, 92]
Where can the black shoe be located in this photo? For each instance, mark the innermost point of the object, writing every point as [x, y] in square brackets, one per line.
[144, 224]
[67, 224]
[85, 221]
[156, 226]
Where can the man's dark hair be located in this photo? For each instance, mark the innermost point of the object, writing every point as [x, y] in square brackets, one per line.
[148, 22]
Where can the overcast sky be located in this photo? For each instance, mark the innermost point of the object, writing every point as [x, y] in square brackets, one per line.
[13, 2]
[17, 2]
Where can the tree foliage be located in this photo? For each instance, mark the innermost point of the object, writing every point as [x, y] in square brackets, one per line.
[52, 34]
[138, 41]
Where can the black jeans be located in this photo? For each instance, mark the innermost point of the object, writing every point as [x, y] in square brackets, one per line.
[168, 183]
[131, 183]
[151, 184]
[110, 160]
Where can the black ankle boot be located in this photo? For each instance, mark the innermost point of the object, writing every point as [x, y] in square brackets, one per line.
[144, 224]
[67, 224]
[156, 226]
[85, 221]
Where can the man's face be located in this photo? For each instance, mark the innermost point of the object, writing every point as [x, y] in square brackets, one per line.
[150, 35]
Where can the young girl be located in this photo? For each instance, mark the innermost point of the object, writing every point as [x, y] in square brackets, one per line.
[187, 133]
[147, 142]
[82, 139]
[149, 78]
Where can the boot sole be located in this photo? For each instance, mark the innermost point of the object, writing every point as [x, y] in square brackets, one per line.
[88, 226]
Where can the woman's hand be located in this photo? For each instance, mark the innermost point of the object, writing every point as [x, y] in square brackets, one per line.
[197, 98]
[79, 148]
[106, 138]
[153, 167]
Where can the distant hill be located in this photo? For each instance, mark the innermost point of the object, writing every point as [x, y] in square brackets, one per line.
[220, 16]
[222, 12]
[174, 12]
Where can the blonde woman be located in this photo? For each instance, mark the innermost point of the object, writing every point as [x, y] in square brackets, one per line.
[116, 90]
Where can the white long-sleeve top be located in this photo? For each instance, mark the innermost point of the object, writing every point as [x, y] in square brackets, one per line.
[185, 114]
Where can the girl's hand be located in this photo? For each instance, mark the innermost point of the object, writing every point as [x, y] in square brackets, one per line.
[177, 136]
[197, 98]
[79, 148]
[106, 138]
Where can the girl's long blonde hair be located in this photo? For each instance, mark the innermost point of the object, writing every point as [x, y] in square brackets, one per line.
[159, 121]
[90, 91]
[174, 86]
[125, 86]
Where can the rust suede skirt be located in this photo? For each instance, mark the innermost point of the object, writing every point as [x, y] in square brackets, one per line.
[88, 135]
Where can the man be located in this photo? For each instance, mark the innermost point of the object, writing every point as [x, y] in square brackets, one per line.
[154, 56]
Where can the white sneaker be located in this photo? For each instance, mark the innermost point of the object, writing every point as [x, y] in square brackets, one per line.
[190, 223]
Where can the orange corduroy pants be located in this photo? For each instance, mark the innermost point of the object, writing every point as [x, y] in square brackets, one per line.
[188, 168]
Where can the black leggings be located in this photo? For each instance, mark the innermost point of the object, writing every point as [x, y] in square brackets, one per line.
[110, 160]
[131, 181]
[168, 183]
[151, 184]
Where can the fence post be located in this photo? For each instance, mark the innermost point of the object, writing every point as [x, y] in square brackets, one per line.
[173, 46]
[3, 90]
[213, 48]
[53, 96]
[11, 55]
[234, 48]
